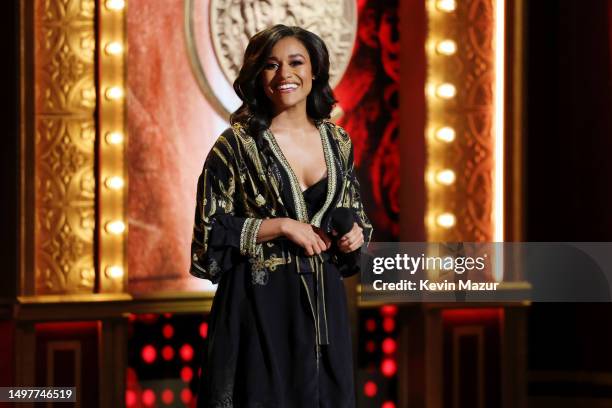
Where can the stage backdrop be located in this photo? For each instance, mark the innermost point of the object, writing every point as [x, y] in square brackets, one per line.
[172, 124]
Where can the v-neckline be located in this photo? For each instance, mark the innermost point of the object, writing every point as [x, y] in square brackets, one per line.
[292, 172]
[296, 189]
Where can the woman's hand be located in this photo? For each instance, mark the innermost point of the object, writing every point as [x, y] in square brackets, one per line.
[306, 236]
[352, 240]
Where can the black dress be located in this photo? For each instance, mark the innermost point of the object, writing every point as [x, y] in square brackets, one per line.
[279, 334]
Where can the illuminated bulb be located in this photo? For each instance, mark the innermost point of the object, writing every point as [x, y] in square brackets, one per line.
[115, 5]
[446, 5]
[115, 227]
[114, 272]
[114, 92]
[446, 91]
[114, 138]
[114, 48]
[445, 134]
[446, 47]
[446, 220]
[446, 177]
[114, 183]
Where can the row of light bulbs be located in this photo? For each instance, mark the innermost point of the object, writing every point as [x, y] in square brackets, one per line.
[115, 138]
[446, 134]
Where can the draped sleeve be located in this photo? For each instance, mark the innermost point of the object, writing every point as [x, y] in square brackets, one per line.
[222, 235]
[349, 264]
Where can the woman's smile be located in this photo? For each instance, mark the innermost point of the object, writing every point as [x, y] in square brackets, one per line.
[287, 74]
[287, 87]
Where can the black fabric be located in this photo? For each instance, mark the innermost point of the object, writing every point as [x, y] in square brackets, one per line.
[314, 195]
[262, 349]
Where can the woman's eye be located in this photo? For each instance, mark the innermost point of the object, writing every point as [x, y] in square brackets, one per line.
[295, 63]
[270, 66]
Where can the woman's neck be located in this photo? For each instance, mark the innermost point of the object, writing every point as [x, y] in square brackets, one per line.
[291, 119]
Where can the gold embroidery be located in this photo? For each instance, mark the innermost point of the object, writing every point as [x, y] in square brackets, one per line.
[248, 236]
[344, 141]
[260, 267]
[331, 176]
[296, 190]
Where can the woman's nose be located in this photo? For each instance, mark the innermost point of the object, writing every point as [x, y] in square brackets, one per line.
[285, 71]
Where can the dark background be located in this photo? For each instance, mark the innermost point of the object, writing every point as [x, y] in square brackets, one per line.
[9, 153]
[569, 177]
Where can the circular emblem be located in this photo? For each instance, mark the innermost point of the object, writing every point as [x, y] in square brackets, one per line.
[218, 32]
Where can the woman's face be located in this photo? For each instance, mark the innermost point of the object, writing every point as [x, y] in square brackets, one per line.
[287, 74]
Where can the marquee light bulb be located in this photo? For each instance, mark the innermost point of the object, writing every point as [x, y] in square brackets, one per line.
[113, 48]
[115, 5]
[114, 183]
[115, 227]
[114, 92]
[114, 138]
[445, 134]
[446, 6]
[446, 220]
[446, 47]
[446, 91]
[445, 177]
[114, 272]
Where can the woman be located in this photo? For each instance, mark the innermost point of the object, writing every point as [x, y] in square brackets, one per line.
[279, 333]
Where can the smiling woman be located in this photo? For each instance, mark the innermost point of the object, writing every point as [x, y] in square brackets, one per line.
[287, 77]
[279, 331]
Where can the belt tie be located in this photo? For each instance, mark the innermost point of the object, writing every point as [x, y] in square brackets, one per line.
[315, 265]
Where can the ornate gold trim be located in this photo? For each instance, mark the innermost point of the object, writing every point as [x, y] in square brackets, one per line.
[196, 65]
[64, 121]
[248, 236]
[331, 175]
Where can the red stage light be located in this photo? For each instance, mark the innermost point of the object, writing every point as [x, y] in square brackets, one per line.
[167, 396]
[370, 346]
[388, 404]
[204, 330]
[388, 367]
[148, 318]
[167, 315]
[186, 395]
[388, 324]
[168, 331]
[130, 398]
[148, 397]
[186, 352]
[168, 353]
[473, 315]
[370, 325]
[370, 389]
[149, 354]
[186, 374]
[388, 310]
[389, 346]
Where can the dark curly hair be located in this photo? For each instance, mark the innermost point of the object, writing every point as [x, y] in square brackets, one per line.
[256, 110]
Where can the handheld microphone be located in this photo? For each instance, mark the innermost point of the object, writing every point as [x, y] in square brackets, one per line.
[342, 221]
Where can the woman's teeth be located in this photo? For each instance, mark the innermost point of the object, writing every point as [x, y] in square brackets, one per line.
[287, 87]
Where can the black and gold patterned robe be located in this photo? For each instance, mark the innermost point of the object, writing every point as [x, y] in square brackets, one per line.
[279, 333]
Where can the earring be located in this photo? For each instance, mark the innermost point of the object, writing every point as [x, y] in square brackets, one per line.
[314, 77]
